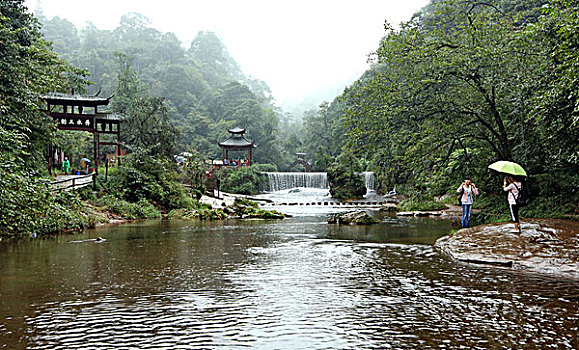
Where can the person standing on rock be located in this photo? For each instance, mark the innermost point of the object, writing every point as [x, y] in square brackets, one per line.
[512, 187]
[466, 191]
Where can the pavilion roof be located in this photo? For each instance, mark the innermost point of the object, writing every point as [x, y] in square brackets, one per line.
[236, 141]
[237, 130]
[57, 98]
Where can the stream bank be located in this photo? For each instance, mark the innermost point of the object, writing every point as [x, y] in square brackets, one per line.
[547, 246]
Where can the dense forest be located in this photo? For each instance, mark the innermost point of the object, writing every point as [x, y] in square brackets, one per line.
[466, 83]
[458, 86]
[205, 91]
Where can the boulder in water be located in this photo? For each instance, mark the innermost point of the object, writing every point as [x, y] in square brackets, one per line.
[352, 218]
[544, 246]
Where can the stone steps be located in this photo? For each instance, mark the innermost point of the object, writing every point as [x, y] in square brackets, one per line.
[326, 203]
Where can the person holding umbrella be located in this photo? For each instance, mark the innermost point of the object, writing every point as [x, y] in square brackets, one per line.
[512, 186]
[84, 162]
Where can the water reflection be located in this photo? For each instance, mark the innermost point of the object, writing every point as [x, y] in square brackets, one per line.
[293, 284]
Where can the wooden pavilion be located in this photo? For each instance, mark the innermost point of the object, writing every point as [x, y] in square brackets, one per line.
[237, 142]
[80, 112]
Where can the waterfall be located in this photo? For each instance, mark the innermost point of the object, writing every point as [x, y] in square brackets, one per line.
[285, 181]
[369, 178]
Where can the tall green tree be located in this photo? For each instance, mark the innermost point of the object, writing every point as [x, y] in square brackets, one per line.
[460, 82]
[557, 100]
[218, 66]
[146, 124]
[323, 134]
[205, 90]
[28, 68]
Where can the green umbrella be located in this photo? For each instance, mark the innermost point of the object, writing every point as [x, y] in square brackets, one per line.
[507, 167]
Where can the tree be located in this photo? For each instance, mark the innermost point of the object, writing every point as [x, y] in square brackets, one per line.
[323, 134]
[558, 98]
[62, 33]
[217, 64]
[460, 81]
[204, 88]
[28, 68]
[146, 126]
[344, 177]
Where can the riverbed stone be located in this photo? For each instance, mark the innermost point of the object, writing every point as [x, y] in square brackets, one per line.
[544, 246]
[389, 207]
[420, 213]
[352, 218]
[427, 213]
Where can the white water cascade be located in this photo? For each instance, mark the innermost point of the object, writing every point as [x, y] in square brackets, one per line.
[369, 178]
[286, 181]
[280, 181]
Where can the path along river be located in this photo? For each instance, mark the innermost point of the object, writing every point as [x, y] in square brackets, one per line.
[293, 284]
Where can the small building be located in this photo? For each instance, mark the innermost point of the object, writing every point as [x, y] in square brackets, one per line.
[237, 143]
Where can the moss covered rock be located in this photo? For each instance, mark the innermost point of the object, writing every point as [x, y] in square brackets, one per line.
[352, 218]
[197, 214]
[241, 209]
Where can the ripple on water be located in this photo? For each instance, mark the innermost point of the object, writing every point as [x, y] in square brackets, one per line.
[304, 292]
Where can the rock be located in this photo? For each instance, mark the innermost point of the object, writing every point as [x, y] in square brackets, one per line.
[389, 207]
[427, 213]
[229, 210]
[441, 198]
[352, 218]
[545, 246]
[419, 213]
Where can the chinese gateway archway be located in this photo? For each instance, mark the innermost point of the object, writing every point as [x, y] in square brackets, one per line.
[79, 112]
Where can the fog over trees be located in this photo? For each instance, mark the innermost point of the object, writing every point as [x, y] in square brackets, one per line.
[458, 85]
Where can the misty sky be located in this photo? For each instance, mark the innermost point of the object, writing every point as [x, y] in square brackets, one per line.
[300, 48]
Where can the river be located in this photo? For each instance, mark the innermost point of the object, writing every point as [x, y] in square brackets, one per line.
[297, 283]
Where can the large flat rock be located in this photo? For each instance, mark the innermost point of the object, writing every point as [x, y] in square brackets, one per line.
[544, 246]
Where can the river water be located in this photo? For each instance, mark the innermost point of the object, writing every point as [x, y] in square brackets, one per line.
[298, 283]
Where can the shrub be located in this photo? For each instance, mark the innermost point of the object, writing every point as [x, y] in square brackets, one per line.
[345, 179]
[265, 167]
[29, 209]
[420, 203]
[143, 177]
[65, 211]
[139, 210]
[245, 202]
[244, 180]
[197, 214]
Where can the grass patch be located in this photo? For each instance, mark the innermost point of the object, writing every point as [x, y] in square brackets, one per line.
[420, 204]
[197, 214]
[127, 210]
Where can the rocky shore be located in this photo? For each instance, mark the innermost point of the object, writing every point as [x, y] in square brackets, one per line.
[232, 207]
[545, 246]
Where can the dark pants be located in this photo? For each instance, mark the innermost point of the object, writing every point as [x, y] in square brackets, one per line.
[466, 215]
[514, 212]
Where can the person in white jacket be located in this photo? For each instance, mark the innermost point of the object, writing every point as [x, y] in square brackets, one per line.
[467, 190]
